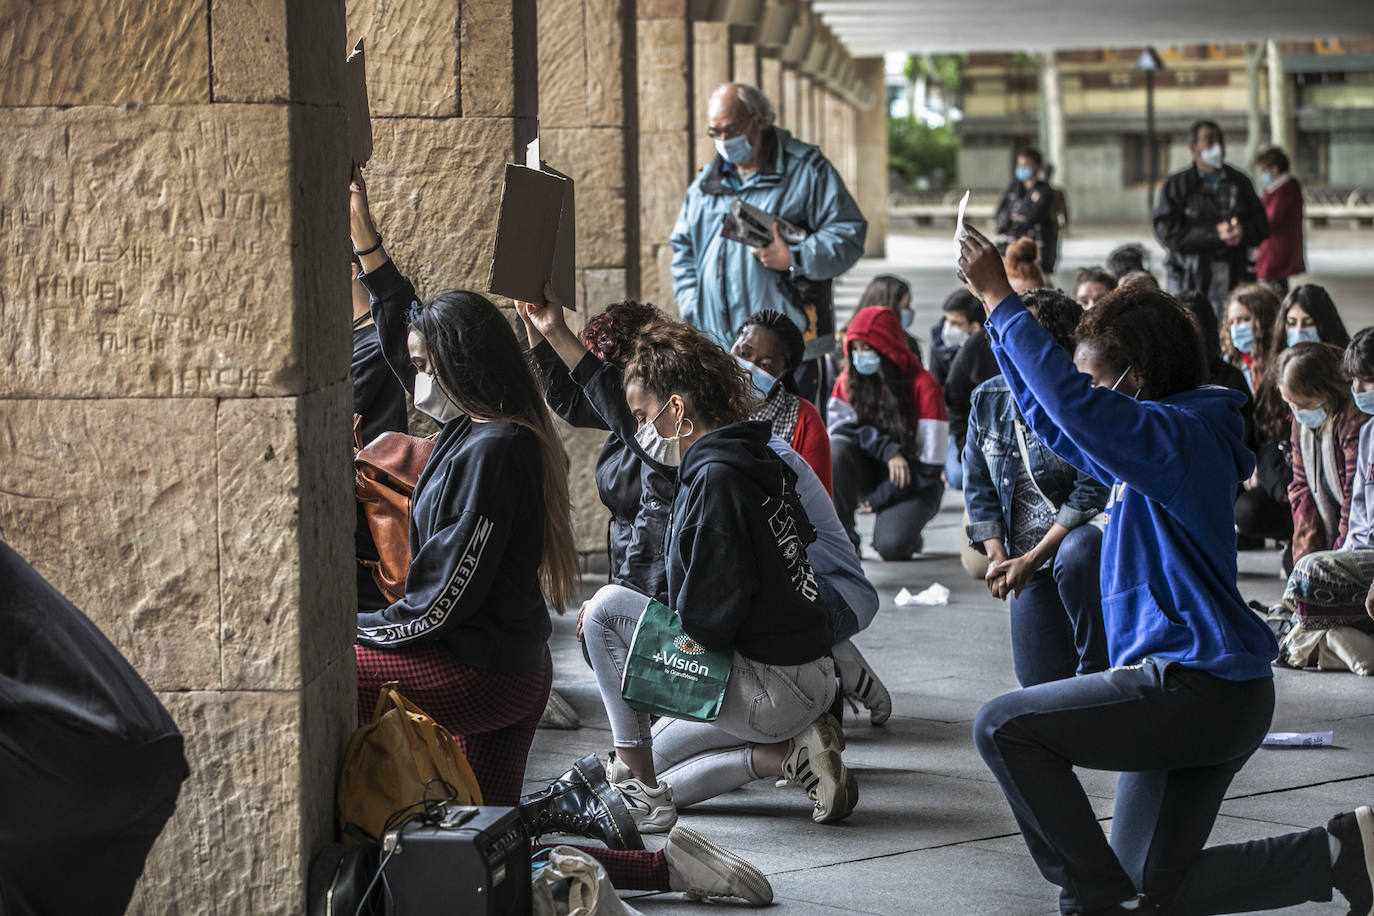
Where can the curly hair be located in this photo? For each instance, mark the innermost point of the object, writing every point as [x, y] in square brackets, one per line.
[674, 358]
[1312, 369]
[1260, 301]
[611, 335]
[1056, 313]
[1316, 302]
[1020, 261]
[1134, 327]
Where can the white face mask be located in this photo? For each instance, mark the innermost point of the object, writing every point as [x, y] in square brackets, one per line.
[1212, 156]
[430, 398]
[954, 337]
[665, 450]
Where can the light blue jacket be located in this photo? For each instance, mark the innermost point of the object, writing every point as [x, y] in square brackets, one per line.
[717, 282]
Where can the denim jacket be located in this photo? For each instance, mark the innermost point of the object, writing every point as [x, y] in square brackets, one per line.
[992, 462]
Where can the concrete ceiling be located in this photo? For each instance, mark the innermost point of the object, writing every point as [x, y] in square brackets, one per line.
[872, 27]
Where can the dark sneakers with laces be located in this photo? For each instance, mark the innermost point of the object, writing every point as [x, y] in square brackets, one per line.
[1353, 871]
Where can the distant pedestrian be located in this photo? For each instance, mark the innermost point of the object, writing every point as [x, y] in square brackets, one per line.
[1027, 207]
[1281, 255]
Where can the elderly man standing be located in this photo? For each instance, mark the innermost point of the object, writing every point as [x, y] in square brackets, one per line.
[1208, 217]
[719, 282]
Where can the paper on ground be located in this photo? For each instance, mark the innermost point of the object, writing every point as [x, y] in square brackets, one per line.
[1299, 739]
[959, 231]
[936, 594]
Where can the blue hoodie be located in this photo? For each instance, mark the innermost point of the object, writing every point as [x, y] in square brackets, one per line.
[1169, 552]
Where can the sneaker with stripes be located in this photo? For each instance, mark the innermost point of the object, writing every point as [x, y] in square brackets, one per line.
[860, 684]
[813, 763]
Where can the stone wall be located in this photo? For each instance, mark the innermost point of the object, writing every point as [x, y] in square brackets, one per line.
[176, 405]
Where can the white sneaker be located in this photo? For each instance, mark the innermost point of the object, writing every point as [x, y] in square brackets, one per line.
[860, 684]
[813, 763]
[701, 869]
[558, 713]
[616, 772]
[652, 809]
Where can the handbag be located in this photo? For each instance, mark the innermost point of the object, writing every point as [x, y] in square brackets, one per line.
[399, 761]
[572, 883]
[670, 674]
[386, 471]
[341, 877]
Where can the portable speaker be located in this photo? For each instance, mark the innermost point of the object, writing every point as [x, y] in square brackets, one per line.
[476, 861]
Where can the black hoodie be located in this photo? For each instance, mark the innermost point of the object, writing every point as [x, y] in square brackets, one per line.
[737, 568]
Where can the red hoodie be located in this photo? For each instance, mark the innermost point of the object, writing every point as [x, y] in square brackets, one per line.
[879, 328]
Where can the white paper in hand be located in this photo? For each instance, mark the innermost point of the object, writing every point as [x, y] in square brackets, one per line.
[959, 230]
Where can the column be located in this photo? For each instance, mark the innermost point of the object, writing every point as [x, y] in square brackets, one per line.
[791, 116]
[663, 62]
[871, 146]
[710, 68]
[770, 82]
[1281, 129]
[177, 399]
[1053, 105]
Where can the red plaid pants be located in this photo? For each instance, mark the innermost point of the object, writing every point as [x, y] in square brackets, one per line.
[493, 715]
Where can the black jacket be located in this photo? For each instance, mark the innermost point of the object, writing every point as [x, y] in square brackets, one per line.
[476, 529]
[637, 490]
[738, 573]
[1185, 221]
[1024, 211]
[973, 365]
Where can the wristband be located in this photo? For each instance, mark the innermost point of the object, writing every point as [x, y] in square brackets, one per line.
[372, 249]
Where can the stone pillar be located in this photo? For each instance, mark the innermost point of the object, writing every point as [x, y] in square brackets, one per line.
[806, 109]
[871, 144]
[710, 67]
[177, 401]
[745, 62]
[454, 95]
[791, 114]
[1053, 101]
[770, 82]
[1281, 129]
[666, 115]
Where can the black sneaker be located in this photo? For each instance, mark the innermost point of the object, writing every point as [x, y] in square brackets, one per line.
[1353, 871]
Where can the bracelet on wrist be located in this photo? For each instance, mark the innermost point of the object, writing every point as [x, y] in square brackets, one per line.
[370, 250]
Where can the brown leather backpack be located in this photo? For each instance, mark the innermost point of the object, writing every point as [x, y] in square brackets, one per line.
[385, 473]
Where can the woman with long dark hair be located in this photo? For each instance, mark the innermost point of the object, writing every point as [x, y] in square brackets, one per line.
[888, 436]
[1190, 695]
[490, 530]
[1307, 313]
[894, 294]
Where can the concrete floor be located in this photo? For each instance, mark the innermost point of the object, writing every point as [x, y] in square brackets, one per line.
[932, 833]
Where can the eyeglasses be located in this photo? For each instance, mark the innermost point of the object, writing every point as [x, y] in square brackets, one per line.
[728, 131]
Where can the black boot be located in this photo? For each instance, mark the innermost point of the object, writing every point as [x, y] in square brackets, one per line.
[581, 802]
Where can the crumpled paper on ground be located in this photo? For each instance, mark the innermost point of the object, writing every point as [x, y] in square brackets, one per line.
[935, 595]
[1299, 739]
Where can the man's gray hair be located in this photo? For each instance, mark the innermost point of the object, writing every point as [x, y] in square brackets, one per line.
[756, 103]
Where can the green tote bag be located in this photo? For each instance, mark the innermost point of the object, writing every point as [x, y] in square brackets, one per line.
[670, 674]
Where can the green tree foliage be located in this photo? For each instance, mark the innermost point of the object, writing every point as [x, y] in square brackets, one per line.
[924, 156]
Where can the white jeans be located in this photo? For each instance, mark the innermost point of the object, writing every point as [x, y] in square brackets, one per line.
[763, 704]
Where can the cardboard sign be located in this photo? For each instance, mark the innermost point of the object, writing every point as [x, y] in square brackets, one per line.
[535, 234]
[356, 111]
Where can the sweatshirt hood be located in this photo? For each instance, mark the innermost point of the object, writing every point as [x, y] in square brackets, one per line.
[880, 329]
[742, 447]
[1221, 408]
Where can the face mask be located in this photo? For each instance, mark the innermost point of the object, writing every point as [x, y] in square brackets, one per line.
[1121, 378]
[433, 400]
[664, 450]
[1023, 173]
[1212, 156]
[1298, 335]
[1312, 419]
[865, 362]
[954, 337]
[736, 150]
[1243, 337]
[907, 317]
[1266, 179]
[1364, 400]
[761, 379]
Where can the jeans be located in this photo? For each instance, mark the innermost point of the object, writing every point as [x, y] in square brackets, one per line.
[763, 704]
[954, 465]
[1177, 736]
[901, 515]
[1056, 621]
